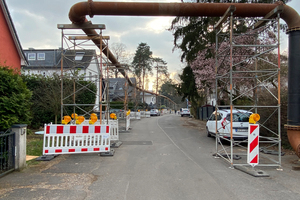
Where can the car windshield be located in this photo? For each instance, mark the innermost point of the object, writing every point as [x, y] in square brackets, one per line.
[239, 117]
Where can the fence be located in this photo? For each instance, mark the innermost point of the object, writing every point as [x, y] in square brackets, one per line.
[205, 111]
[70, 139]
[7, 152]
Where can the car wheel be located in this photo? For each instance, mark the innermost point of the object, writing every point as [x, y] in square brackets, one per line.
[208, 134]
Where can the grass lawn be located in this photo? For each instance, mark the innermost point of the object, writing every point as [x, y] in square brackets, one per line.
[34, 146]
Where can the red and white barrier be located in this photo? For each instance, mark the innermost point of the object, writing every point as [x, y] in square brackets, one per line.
[253, 145]
[70, 139]
[113, 124]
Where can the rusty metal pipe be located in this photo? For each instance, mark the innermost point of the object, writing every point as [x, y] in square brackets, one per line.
[80, 10]
[289, 15]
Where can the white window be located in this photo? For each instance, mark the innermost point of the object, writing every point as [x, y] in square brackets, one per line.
[79, 55]
[41, 56]
[31, 56]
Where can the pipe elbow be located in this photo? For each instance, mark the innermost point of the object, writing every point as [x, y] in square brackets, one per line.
[78, 12]
[291, 17]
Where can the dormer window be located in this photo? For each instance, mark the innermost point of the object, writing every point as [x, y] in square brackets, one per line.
[31, 56]
[41, 56]
[79, 55]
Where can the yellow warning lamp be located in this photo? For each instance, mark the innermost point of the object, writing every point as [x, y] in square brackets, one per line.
[76, 116]
[80, 119]
[254, 118]
[94, 118]
[66, 120]
[139, 111]
[128, 113]
[113, 116]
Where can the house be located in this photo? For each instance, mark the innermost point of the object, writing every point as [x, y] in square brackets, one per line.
[11, 53]
[48, 61]
[117, 89]
[117, 92]
[79, 62]
[150, 99]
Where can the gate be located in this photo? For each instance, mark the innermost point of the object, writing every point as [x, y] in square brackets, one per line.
[7, 152]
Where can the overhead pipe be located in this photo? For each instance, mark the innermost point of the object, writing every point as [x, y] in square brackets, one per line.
[289, 15]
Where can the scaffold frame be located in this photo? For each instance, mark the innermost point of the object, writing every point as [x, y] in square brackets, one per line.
[74, 41]
[239, 71]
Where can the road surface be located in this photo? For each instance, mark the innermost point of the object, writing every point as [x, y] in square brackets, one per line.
[162, 158]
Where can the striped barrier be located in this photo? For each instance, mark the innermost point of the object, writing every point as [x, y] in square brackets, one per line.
[135, 115]
[114, 129]
[147, 114]
[143, 114]
[253, 145]
[127, 122]
[71, 139]
[113, 124]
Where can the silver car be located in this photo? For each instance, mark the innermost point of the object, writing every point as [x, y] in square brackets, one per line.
[154, 112]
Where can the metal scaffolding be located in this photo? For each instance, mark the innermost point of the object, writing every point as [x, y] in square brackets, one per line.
[244, 57]
[83, 63]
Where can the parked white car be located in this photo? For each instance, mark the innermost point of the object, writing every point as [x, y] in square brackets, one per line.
[240, 124]
[185, 112]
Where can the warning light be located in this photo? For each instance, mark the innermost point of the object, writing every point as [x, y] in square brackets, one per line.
[254, 118]
[66, 120]
[128, 113]
[94, 118]
[113, 116]
[80, 119]
[76, 116]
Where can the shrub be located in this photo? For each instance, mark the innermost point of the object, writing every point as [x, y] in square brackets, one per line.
[14, 99]
[46, 97]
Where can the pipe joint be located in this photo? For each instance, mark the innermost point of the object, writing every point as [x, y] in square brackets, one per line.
[90, 8]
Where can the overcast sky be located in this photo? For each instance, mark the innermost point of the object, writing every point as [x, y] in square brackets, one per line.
[36, 24]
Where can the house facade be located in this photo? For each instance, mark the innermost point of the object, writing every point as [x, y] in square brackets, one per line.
[11, 53]
[46, 62]
[80, 63]
[117, 92]
[117, 89]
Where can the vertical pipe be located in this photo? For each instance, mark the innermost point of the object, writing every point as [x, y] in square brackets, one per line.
[294, 91]
[293, 80]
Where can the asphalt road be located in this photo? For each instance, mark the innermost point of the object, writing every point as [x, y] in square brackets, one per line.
[162, 158]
